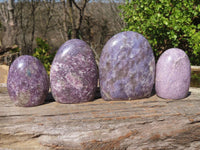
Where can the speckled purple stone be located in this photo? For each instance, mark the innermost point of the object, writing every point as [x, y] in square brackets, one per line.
[28, 82]
[127, 67]
[173, 74]
[74, 73]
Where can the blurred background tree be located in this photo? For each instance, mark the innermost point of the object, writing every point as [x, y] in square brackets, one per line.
[56, 21]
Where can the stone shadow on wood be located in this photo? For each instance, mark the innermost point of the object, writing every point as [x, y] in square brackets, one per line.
[189, 93]
[49, 98]
[97, 94]
[153, 92]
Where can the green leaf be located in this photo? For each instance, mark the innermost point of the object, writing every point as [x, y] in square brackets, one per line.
[165, 22]
[198, 26]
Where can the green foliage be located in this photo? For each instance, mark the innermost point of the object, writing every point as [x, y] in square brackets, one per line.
[166, 24]
[42, 52]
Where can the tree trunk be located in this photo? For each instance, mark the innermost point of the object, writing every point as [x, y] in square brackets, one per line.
[10, 27]
[33, 9]
[65, 21]
[72, 19]
[146, 124]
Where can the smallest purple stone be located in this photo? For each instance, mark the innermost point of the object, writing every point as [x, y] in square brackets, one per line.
[173, 74]
[28, 82]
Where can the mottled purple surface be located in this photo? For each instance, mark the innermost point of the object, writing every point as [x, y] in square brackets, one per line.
[28, 82]
[127, 67]
[74, 73]
[173, 74]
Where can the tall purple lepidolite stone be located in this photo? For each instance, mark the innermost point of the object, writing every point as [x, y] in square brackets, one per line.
[127, 67]
[28, 82]
[173, 74]
[74, 73]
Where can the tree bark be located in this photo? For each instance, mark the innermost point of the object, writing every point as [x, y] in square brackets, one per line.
[9, 23]
[146, 124]
[11, 13]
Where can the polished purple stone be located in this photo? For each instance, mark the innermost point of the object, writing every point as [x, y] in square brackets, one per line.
[28, 82]
[173, 74]
[127, 67]
[74, 74]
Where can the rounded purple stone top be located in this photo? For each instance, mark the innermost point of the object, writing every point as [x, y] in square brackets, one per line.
[127, 67]
[74, 73]
[173, 73]
[27, 82]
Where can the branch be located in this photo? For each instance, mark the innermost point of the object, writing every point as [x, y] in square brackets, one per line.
[85, 2]
[76, 5]
[82, 13]
[65, 11]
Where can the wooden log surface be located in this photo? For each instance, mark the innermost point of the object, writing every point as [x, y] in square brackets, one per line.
[144, 124]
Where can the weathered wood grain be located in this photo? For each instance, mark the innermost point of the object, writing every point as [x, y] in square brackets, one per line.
[145, 124]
